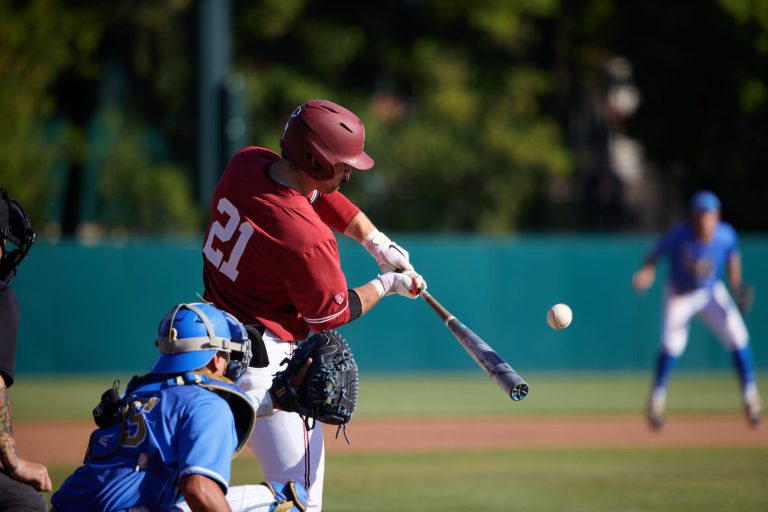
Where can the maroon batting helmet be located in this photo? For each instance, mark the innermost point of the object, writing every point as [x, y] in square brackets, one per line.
[321, 134]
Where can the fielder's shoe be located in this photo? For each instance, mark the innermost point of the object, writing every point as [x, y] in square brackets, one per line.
[753, 410]
[655, 413]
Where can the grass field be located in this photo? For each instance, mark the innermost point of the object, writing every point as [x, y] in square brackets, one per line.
[438, 394]
[574, 479]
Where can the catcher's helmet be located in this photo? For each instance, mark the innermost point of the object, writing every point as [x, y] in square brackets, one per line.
[321, 134]
[191, 334]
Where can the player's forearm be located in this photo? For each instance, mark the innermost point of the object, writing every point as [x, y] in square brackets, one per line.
[359, 227]
[8, 456]
[650, 261]
[203, 494]
[369, 296]
[734, 272]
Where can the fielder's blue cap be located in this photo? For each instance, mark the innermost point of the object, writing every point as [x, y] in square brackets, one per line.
[705, 201]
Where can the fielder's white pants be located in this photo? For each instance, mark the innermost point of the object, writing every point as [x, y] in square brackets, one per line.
[281, 442]
[715, 308]
[242, 498]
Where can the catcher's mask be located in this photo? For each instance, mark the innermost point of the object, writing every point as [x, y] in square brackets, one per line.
[15, 227]
[321, 134]
[191, 334]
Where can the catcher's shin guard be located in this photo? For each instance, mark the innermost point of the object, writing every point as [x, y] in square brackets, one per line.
[291, 497]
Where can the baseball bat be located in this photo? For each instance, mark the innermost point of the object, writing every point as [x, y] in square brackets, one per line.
[483, 354]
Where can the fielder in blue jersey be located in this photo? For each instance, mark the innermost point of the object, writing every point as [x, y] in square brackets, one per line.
[167, 442]
[697, 251]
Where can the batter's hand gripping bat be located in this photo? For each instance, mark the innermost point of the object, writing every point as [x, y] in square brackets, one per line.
[483, 354]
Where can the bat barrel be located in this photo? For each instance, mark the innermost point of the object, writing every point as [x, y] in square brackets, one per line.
[490, 361]
[483, 354]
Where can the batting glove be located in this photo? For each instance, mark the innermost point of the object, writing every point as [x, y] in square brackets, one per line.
[408, 284]
[389, 256]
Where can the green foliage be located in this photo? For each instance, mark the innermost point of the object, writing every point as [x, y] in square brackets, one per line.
[704, 110]
[136, 192]
[43, 42]
[39, 40]
[474, 111]
[451, 102]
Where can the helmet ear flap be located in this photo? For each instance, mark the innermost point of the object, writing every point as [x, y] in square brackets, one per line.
[321, 171]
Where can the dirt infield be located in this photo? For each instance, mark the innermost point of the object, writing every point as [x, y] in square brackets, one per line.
[64, 443]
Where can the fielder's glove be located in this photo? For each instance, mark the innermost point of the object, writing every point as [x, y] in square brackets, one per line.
[328, 392]
[744, 296]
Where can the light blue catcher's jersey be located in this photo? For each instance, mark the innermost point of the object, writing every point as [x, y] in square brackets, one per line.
[169, 433]
[694, 264]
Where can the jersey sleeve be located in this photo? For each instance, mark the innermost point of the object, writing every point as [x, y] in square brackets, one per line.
[335, 210]
[317, 286]
[207, 439]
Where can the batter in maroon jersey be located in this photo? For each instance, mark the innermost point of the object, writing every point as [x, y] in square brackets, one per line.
[271, 259]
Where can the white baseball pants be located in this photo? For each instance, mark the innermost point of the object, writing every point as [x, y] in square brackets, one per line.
[715, 308]
[282, 444]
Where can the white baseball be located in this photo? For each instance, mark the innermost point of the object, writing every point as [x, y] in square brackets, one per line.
[559, 316]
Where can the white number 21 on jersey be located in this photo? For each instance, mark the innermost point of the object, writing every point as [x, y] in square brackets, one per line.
[225, 233]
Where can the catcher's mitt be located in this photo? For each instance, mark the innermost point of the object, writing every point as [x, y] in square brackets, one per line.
[744, 296]
[328, 392]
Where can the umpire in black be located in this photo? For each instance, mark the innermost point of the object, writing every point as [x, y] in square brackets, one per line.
[19, 479]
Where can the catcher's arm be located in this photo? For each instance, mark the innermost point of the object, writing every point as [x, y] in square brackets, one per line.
[203, 493]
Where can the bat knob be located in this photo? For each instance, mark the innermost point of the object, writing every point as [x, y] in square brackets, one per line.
[519, 392]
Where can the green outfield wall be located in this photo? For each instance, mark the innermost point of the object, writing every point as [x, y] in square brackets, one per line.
[95, 308]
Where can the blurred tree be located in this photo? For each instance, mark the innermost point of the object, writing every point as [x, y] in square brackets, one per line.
[703, 71]
[482, 116]
[65, 63]
[135, 193]
[39, 40]
[450, 92]
[135, 124]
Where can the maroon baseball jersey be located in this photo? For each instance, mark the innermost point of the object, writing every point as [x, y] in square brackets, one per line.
[269, 255]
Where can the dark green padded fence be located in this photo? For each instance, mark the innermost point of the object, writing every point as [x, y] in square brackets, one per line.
[95, 308]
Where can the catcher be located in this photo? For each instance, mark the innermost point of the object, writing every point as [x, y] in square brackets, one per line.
[167, 441]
